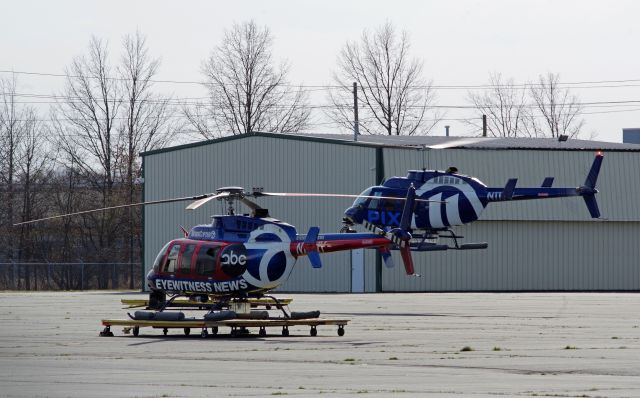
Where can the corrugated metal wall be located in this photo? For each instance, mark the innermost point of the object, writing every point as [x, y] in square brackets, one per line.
[534, 245]
[530, 255]
[278, 165]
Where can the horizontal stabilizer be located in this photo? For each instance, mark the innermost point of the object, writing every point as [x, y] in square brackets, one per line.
[314, 257]
[547, 183]
[310, 241]
[507, 193]
[386, 257]
[312, 236]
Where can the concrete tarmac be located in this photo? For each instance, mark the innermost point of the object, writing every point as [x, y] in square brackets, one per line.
[519, 345]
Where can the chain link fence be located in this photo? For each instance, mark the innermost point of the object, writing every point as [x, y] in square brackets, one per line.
[70, 276]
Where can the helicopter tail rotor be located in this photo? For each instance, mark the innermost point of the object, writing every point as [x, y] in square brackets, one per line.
[407, 260]
[401, 235]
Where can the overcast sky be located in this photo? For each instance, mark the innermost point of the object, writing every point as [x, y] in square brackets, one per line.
[460, 42]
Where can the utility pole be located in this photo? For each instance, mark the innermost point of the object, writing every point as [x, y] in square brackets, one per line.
[484, 125]
[356, 127]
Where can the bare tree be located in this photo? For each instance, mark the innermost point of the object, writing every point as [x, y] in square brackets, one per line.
[23, 167]
[34, 171]
[86, 122]
[396, 98]
[13, 120]
[246, 92]
[146, 117]
[87, 117]
[505, 106]
[108, 115]
[558, 109]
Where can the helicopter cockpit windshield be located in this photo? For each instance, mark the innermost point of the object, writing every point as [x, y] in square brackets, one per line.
[159, 257]
[360, 200]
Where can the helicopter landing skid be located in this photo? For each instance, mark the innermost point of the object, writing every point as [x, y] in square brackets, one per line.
[426, 241]
[462, 246]
[169, 302]
[279, 306]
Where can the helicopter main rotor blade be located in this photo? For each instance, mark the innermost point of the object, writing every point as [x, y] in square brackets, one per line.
[337, 195]
[151, 202]
[459, 142]
[204, 200]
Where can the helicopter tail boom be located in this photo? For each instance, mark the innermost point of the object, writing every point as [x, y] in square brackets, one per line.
[545, 191]
[314, 244]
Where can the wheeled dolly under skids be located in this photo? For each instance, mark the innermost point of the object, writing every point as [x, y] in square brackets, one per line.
[106, 332]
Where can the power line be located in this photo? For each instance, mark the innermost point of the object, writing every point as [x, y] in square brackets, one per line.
[321, 87]
[597, 105]
[190, 101]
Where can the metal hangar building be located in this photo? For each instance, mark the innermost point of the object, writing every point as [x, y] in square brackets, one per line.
[545, 245]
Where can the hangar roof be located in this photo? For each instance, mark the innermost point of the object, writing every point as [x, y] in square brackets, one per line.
[434, 142]
[441, 142]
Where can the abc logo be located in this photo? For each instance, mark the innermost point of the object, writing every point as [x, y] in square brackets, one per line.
[233, 260]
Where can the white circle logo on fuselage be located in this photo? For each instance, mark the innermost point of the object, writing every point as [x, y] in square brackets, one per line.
[271, 250]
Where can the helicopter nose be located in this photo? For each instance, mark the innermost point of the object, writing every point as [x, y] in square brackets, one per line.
[352, 213]
[151, 277]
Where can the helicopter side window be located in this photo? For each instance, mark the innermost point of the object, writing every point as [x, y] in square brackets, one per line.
[206, 260]
[172, 259]
[187, 257]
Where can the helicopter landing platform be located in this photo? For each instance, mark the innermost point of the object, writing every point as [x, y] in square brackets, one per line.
[238, 326]
[186, 303]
